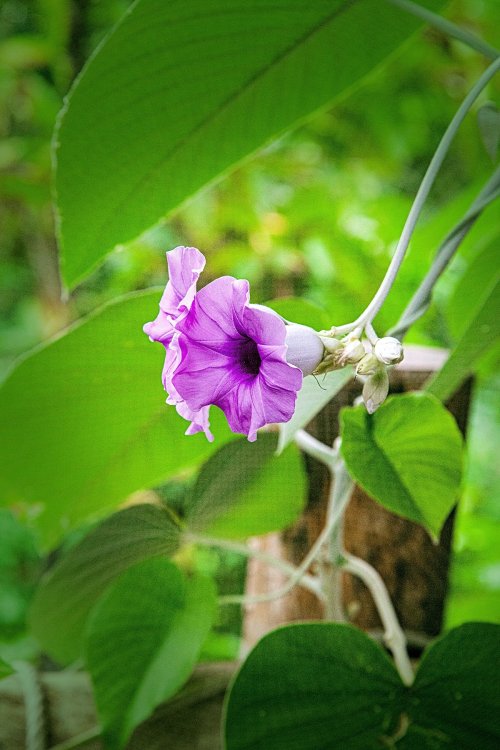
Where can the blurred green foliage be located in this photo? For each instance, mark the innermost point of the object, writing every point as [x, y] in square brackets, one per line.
[316, 214]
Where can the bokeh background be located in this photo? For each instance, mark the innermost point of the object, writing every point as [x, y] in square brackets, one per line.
[317, 214]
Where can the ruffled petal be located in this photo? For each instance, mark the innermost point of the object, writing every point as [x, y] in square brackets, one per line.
[185, 265]
[199, 418]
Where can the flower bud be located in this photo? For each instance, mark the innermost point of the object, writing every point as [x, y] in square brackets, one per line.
[368, 365]
[305, 348]
[375, 390]
[389, 350]
[351, 353]
[331, 345]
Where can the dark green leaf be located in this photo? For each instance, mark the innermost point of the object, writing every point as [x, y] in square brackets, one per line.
[73, 586]
[180, 92]
[324, 685]
[85, 421]
[143, 641]
[454, 700]
[480, 335]
[245, 489]
[408, 456]
[313, 396]
[311, 686]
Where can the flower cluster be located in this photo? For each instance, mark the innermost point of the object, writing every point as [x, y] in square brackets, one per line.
[223, 351]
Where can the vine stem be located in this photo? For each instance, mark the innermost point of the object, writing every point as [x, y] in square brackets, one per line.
[341, 492]
[370, 312]
[447, 27]
[306, 581]
[394, 636]
[422, 297]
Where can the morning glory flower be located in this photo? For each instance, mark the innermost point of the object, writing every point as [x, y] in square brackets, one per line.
[223, 351]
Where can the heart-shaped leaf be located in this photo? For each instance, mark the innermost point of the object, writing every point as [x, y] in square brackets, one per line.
[454, 700]
[143, 641]
[181, 91]
[326, 685]
[310, 686]
[245, 489]
[69, 591]
[408, 456]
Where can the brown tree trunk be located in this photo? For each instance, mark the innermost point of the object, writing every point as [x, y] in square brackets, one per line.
[414, 569]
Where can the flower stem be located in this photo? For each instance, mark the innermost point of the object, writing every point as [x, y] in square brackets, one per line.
[306, 581]
[420, 301]
[341, 492]
[315, 448]
[394, 636]
[447, 27]
[423, 191]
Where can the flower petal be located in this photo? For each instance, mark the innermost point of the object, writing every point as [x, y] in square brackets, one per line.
[185, 265]
[215, 317]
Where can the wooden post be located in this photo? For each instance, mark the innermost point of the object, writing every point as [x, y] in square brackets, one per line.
[414, 569]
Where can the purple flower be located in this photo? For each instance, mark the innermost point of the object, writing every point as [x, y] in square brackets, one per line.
[223, 351]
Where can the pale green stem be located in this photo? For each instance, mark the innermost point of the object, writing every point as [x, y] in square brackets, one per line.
[420, 301]
[423, 191]
[315, 448]
[394, 636]
[341, 492]
[305, 580]
[33, 705]
[447, 27]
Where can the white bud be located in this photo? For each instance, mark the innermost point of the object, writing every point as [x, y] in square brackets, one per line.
[305, 348]
[368, 365]
[351, 353]
[331, 345]
[375, 390]
[389, 350]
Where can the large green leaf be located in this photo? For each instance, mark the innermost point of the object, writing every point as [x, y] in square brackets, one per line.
[84, 419]
[408, 456]
[143, 640]
[454, 700]
[479, 336]
[181, 91]
[245, 489]
[325, 685]
[69, 591]
[313, 396]
[310, 686]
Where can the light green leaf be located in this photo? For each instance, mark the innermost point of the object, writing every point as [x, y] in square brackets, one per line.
[245, 489]
[337, 689]
[298, 310]
[480, 335]
[180, 92]
[69, 591]
[310, 686]
[408, 456]
[85, 421]
[143, 641]
[313, 396]
[454, 700]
